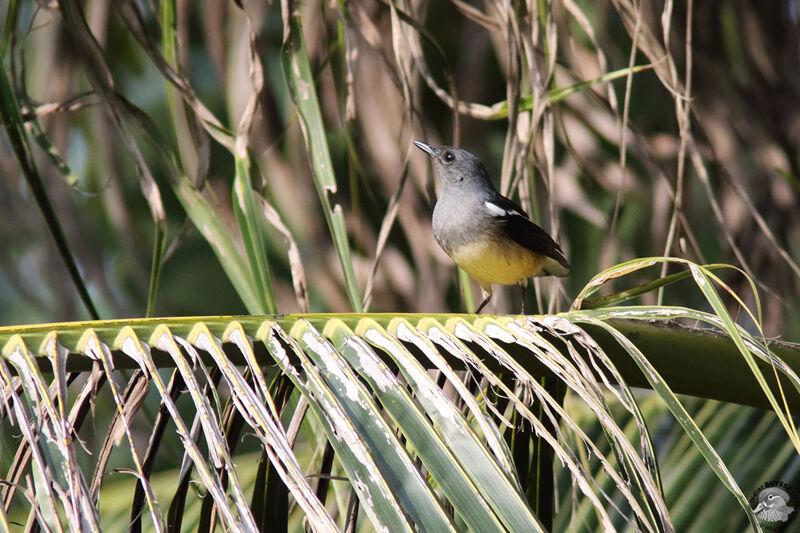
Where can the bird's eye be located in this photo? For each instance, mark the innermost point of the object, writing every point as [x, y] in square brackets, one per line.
[449, 157]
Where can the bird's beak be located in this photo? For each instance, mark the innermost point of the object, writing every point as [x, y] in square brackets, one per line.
[425, 147]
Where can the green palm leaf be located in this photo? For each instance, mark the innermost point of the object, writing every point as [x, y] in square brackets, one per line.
[410, 444]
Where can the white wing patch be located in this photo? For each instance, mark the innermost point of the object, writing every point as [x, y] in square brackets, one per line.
[498, 211]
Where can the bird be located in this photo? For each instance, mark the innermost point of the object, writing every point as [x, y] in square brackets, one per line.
[488, 235]
[773, 505]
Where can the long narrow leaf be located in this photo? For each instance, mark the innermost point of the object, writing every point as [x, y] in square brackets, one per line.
[15, 129]
[502, 494]
[378, 500]
[298, 76]
[412, 421]
[402, 477]
[660, 386]
[248, 218]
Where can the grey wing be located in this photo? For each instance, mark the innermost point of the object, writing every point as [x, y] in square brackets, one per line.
[521, 230]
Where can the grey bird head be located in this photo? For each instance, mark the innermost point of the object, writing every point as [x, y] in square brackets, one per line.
[773, 505]
[456, 166]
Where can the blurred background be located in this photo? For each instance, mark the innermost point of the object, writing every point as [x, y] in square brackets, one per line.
[695, 154]
[626, 129]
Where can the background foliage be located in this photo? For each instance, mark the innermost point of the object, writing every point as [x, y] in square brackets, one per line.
[203, 164]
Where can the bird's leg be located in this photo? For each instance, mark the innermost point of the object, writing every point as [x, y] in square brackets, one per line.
[523, 283]
[487, 295]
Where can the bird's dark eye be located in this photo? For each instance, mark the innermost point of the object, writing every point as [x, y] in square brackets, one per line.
[449, 157]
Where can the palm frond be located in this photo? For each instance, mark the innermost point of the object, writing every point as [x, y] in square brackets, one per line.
[418, 410]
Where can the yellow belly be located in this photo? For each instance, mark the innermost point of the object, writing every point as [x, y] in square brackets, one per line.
[489, 261]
